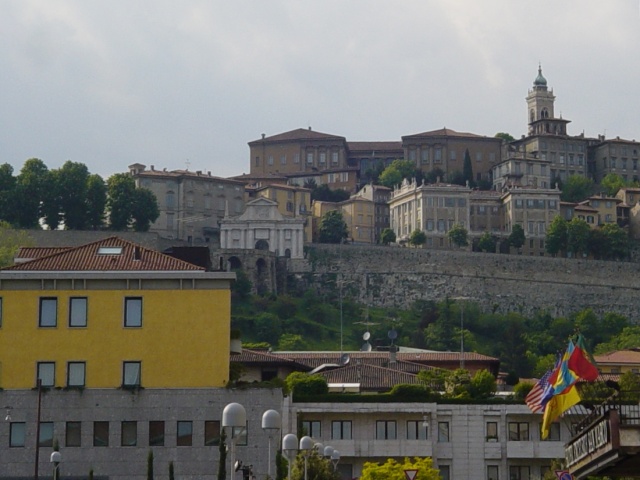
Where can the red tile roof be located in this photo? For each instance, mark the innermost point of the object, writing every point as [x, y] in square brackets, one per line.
[29, 253]
[370, 377]
[374, 147]
[87, 258]
[298, 134]
[619, 357]
[446, 132]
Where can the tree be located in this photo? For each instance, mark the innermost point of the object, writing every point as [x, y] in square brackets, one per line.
[96, 202]
[459, 236]
[456, 178]
[73, 182]
[396, 172]
[516, 237]
[393, 470]
[483, 385]
[128, 205]
[31, 185]
[628, 338]
[144, 210]
[487, 243]
[612, 182]
[617, 241]
[576, 189]
[417, 238]
[333, 228]
[597, 243]
[467, 169]
[578, 232]
[7, 193]
[10, 242]
[387, 236]
[291, 342]
[556, 239]
[222, 455]
[435, 175]
[150, 465]
[300, 383]
[504, 136]
[325, 194]
[317, 467]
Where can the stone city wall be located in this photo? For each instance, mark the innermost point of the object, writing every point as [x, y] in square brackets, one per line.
[391, 276]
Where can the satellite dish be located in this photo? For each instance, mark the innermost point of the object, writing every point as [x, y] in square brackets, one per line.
[344, 359]
[366, 336]
[393, 334]
[366, 347]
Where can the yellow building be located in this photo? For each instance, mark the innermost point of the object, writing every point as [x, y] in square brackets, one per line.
[113, 314]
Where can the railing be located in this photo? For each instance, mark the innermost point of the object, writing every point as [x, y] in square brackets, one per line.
[626, 403]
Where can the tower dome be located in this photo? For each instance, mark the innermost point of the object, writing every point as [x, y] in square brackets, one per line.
[540, 81]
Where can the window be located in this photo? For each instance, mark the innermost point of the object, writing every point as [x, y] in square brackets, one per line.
[334, 157]
[109, 250]
[437, 155]
[519, 431]
[424, 155]
[73, 431]
[519, 473]
[133, 312]
[283, 159]
[309, 157]
[443, 432]
[156, 433]
[492, 431]
[131, 374]
[46, 434]
[452, 154]
[416, 430]
[185, 434]
[257, 161]
[445, 472]
[78, 312]
[554, 432]
[493, 472]
[322, 157]
[129, 436]
[341, 430]
[211, 433]
[296, 158]
[170, 200]
[47, 374]
[17, 434]
[270, 160]
[478, 156]
[169, 221]
[76, 374]
[100, 434]
[48, 312]
[312, 428]
[386, 430]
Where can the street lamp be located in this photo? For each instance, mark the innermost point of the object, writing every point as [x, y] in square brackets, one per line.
[56, 458]
[290, 449]
[461, 299]
[271, 424]
[234, 417]
[306, 445]
[335, 459]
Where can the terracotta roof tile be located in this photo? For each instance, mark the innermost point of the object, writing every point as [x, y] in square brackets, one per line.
[370, 377]
[86, 258]
[445, 132]
[298, 134]
[619, 357]
[30, 253]
[256, 357]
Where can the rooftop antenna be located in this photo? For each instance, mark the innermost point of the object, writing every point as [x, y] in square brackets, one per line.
[187, 163]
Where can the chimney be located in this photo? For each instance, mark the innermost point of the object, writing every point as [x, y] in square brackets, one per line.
[153, 168]
[263, 135]
[137, 254]
[392, 355]
[198, 172]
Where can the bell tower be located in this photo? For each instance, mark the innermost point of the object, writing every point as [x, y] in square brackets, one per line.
[541, 116]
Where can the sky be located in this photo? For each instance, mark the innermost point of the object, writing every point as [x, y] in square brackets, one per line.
[188, 84]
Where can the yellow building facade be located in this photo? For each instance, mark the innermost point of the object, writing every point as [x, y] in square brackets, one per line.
[113, 314]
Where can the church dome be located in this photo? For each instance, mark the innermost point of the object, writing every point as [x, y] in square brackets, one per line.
[540, 81]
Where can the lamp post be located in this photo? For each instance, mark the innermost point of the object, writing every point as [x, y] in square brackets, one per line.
[271, 424]
[56, 458]
[335, 459]
[234, 416]
[290, 449]
[461, 299]
[306, 445]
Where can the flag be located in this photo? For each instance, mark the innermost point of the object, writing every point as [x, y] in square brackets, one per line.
[549, 389]
[565, 377]
[557, 405]
[534, 397]
[581, 363]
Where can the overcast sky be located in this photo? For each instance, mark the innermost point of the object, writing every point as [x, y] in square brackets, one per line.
[190, 83]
